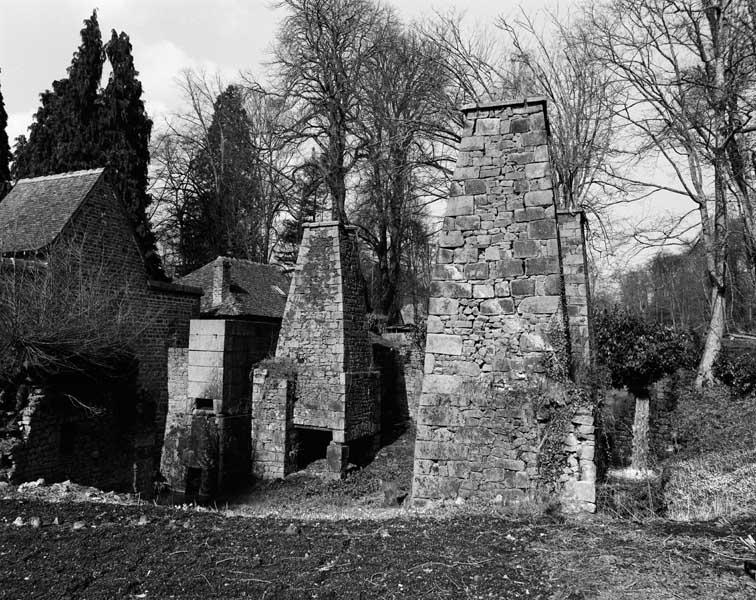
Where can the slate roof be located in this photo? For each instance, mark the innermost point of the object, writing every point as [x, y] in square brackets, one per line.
[35, 211]
[255, 290]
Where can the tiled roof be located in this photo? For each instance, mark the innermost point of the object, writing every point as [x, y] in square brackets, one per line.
[255, 290]
[35, 211]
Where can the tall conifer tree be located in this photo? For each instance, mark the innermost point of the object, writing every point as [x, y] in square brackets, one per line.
[65, 134]
[126, 129]
[4, 150]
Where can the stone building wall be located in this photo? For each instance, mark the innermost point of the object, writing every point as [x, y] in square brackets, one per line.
[497, 301]
[210, 381]
[574, 261]
[99, 239]
[273, 436]
[61, 441]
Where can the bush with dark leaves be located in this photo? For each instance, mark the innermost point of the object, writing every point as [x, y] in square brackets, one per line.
[637, 352]
[737, 370]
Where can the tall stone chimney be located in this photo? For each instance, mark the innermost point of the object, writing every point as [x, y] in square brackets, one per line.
[221, 279]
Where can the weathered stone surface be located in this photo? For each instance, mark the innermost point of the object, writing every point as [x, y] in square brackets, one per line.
[542, 265]
[508, 268]
[451, 239]
[542, 229]
[459, 206]
[443, 306]
[476, 271]
[526, 248]
[505, 280]
[451, 289]
[539, 304]
[474, 187]
[540, 198]
[522, 287]
[444, 344]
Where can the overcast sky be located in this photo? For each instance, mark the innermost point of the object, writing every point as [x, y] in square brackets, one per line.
[39, 37]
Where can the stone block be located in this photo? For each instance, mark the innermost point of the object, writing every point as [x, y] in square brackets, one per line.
[459, 206]
[522, 287]
[502, 289]
[439, 343]
[534, 138]
[467, 223]
[487, 126]
[450, 289]
[485, 290]
[542, 230]
[552, 285]
[445, 256]
[542, 266]
[539, 305]
[520, 158]
[536, 170]
[476, 271]
[490, 307]
[435, 324]
[447, 272]
[429, 364]
[443, 306]
[475, 187]
[508, 268]
[539, 198]
[507, 305]
[451, 239]
[526, 248]
[519, 125]
[532, 213]
[441, 384]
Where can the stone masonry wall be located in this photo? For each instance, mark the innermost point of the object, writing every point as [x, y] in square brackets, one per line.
[99, 240]
[576, 287]
[272, 429]
[497, 298]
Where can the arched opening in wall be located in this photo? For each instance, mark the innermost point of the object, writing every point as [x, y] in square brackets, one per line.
[310, 446]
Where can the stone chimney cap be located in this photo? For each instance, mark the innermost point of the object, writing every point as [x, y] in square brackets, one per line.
[504, 103]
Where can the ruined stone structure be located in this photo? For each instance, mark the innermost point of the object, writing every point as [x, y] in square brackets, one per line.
[77, 213]
[324, 389]
[207, 439]
[509, 286]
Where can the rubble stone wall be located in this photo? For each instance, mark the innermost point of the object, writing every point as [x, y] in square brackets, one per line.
[272, 425]
[497, 302]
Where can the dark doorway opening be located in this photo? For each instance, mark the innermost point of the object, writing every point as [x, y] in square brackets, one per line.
[311, 445]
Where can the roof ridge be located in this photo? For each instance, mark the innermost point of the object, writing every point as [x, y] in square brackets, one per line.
[62, 175]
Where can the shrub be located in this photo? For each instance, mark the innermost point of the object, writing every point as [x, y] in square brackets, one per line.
[58, 318]
[737, 370]
[637, 352]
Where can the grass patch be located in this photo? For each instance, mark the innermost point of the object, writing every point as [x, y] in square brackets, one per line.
[714, 474]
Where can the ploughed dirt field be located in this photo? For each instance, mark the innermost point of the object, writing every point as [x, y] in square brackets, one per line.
[97, 550]
[309, 538]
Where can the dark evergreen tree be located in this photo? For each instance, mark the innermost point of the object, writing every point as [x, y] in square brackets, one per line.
[125, 133]
[221, 216]
[65, 135]
[4, 150]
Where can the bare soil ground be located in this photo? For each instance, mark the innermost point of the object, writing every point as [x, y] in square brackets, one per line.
[308, 538]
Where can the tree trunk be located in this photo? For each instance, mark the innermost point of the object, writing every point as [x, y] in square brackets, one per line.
[639, 459]
[713, 338]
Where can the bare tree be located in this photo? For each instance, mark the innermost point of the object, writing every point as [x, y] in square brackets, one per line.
[688, 69]
[320, 58]
[404, 129]
[558, 62]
